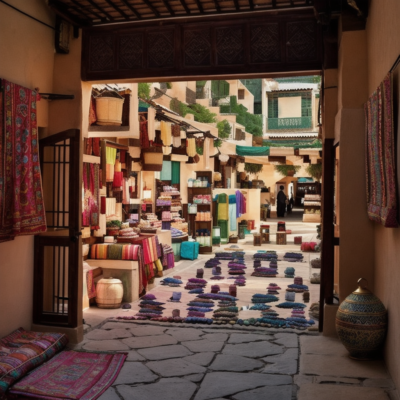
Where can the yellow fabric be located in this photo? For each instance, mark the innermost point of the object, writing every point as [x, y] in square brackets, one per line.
[111, 155]
[166, 134]
[191, 147]
[158, 265]
[223, 211]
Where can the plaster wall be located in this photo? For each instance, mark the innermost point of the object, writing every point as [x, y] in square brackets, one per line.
[27, 49]
[383, 36]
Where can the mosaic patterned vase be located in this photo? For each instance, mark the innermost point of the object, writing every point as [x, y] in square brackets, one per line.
[361, 323]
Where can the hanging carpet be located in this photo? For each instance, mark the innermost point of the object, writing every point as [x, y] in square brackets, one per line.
[21, 196]
[380, 159]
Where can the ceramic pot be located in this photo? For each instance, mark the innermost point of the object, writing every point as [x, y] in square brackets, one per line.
[361, 323]
[109, 293]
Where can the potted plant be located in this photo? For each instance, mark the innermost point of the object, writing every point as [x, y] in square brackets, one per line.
[315, 170]
[253, 168]
[287, 170]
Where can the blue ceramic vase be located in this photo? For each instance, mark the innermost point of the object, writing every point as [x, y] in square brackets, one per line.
[361, 323]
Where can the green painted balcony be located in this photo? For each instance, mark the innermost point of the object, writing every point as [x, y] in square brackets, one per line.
[289, 123]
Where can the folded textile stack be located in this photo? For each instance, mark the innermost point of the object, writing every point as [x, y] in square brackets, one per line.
[306, 296]
[126, 235]
[298, 280]
[175, 233]
[233, 290]
[194, 283]
[150, 308]
[196, 291]
[200, 273]
[297, 288]
[298, 313]
[289, 272]
[263, 298]
[237, 267]
[173, 282]
[198, 309]
[227, 314]
[216, 272]
[273, 288]
[168, 259]
[215, 288]
[291, 305]
[293, 257]
[290, 296]
[224, 256]
[298, 323]
[260, 307]
[212, 262]
[316, 263]
[264, 272]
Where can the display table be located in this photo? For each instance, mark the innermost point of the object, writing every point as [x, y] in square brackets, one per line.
[125, 270]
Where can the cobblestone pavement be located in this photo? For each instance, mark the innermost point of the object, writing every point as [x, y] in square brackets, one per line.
[201, 362]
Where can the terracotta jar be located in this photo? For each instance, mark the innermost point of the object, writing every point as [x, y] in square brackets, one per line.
[361, 323]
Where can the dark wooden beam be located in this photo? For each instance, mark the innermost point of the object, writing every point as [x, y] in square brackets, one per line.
[62, 10]
[152, 8]
[273, 3]
[251, 4]
[199, 6]
[184, 5]
[116, 8]
[84, 12]
[101, 10]
[217, 6]
[169, 8]
[138, 16]
[236, 2]
[327, 250]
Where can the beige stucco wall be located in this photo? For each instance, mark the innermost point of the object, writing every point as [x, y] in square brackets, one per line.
[27, 57]
[383, 36]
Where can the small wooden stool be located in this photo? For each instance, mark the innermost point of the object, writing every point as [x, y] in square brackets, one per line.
[256, 239]
[280, 237]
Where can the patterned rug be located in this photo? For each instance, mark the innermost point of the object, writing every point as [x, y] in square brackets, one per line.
[72, 375]
[380, 158]
[21, 199]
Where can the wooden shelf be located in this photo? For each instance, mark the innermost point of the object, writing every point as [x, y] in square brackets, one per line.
[205, 249]
[311, 217]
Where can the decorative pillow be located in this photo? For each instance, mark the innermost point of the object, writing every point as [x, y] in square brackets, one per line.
[22, 351]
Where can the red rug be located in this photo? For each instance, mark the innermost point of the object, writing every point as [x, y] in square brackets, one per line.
[72, 375]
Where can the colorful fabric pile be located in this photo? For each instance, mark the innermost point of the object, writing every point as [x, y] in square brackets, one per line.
[150, 308]
[263, 298]
[289, 272]
[273, 288]
[194, 283]
[297, 288]
[291, 305]
[172, 282]
[293, 257]
[264, 272]
[168, 259]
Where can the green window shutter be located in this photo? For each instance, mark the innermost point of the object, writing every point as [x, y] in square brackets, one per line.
[176, 173]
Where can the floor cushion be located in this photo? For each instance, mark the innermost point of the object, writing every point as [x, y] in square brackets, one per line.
[22, 351]
[190, 250]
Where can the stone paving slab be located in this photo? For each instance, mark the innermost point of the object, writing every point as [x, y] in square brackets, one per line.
[216, 337]
[185, 334]
[116, 325]
[198, 346]
[105, 345]
[267, 392]
[221, 384]
[255, 349]
[147, 330]
[234, 363]
[109, 394]
[194, 377]
[322, 345]
[287, 339]
[165, 389]
[142, 342]
[134, 356]
[165, 352]
[285, 363]
[175, 367]
[319, 364]
[335, 392]
[236, 338]
[101, 334]
[134, 372]
[203, 359]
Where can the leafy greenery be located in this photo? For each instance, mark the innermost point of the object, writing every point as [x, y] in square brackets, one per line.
[253, 168]
[251, 122]
[315, 170]
[285, 169]
[201, 83]
[144, 90]
[169, 85]
[224, 129]
[114, 223]
[218, 143]
[201, 113]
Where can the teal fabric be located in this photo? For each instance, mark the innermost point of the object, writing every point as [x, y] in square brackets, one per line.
[176, 173]
[252, 151]
[166, 172]
[232, 216]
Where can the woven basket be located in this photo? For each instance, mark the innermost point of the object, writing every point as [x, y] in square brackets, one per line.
[152, 159]
[109, 110]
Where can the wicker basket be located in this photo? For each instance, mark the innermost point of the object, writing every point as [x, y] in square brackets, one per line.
[109, 110]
